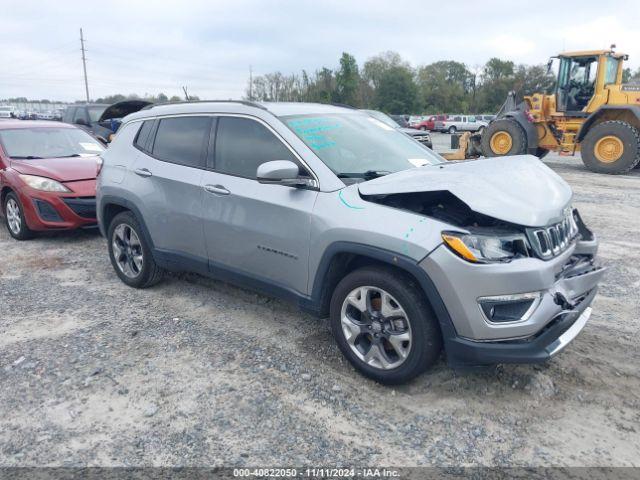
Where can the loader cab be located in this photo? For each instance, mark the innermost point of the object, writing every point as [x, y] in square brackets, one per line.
[576, 83]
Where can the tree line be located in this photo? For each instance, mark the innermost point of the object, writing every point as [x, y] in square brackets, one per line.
[389, 83]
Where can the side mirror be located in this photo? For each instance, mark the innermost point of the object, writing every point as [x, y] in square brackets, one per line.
[282, 172]
[82, 121]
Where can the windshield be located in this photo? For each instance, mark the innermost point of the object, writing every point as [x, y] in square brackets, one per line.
[355, 145]
[27, 143]
[384, 118]
[95, 113]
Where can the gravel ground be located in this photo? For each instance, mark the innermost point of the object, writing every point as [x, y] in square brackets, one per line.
[196, 372]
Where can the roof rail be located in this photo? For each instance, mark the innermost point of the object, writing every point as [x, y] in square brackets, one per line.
[243, 102]
[343, 105]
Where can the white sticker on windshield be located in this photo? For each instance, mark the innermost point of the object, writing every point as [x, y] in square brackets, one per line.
[380, 124]
[418, 162]
[92, 147]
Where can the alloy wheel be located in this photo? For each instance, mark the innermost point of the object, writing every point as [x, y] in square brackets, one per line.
[376, 327]
[13, 216]
[127, 250]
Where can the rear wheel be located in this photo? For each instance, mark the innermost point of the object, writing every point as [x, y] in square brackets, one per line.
[130, 254]
[14, 218]
[423, 128]
[503, 137]
[383, 325]
[611, 147]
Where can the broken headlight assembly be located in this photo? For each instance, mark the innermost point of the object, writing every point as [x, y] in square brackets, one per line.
[487, 248]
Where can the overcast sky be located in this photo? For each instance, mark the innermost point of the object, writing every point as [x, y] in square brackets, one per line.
[158, 46]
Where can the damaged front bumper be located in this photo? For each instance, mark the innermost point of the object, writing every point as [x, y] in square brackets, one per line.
[557, 293]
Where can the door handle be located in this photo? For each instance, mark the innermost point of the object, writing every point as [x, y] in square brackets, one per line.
[142, 172]
[217, 189]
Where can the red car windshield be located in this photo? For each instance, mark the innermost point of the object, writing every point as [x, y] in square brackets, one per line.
[32, 143]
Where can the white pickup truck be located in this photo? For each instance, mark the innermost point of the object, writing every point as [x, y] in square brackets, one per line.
[460, 123]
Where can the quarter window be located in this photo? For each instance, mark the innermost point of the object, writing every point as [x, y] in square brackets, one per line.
[243, 144]
[182, 140]
[143, 135]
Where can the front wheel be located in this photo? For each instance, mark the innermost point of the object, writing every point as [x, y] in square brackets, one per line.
[14, 218]
[611, 147]
[452, 130]
[130, 253]
[503, 137]
[383, 325]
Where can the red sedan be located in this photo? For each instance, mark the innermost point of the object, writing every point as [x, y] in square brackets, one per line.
[47, 177]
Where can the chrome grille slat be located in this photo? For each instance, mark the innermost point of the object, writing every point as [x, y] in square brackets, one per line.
[550, 241]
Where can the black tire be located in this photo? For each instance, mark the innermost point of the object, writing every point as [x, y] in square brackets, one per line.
[541, 152]
[452, 130]
[426, 339]
[23, 232]
[423, 128]
[510, 126]
[629, 137]
[150, 273]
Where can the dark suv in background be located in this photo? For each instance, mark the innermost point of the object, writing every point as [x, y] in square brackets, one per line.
[99, 119]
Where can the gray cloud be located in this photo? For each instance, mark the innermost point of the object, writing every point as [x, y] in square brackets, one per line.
[152, 47]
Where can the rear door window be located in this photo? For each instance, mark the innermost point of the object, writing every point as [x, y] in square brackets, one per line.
[182, 140]
[243, 144]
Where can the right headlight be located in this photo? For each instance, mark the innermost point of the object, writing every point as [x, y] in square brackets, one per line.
[485, 248]
[43, 183]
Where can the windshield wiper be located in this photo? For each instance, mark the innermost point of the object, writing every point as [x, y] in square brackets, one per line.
[28, 157]
[69, 156]
[368, 175]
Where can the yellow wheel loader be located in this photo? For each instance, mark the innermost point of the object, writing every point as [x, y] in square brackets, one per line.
[590, 111]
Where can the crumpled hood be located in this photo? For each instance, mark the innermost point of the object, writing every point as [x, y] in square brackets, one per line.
[518, 189]
[59, 169]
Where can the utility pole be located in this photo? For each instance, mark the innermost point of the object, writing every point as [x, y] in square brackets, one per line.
[186, 94]
[250, 83]
[84, 65]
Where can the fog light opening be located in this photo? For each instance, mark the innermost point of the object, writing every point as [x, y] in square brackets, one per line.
[502, 309]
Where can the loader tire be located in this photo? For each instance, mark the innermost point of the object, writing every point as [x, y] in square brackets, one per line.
[611, 147]
[504, 137]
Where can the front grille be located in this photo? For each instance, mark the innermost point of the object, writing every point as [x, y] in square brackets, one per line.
[84, 207]
[551, 241]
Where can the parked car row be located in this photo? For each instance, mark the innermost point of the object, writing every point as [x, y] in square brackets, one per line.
[333, 208]
[420, 136]
[453, 123]
[11, 112]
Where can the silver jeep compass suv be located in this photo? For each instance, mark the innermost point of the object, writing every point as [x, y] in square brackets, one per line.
[337, 211]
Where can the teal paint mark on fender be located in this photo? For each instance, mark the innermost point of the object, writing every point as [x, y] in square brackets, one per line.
[410, 230]
[344, 202]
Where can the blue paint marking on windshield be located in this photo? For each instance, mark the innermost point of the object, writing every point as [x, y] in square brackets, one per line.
[346, 204]
[311, 130]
